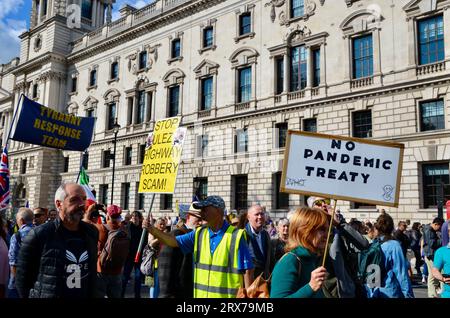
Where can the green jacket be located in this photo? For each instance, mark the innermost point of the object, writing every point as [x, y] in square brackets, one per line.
[286, 281]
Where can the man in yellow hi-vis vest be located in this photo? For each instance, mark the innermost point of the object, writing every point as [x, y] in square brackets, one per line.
[222, 262]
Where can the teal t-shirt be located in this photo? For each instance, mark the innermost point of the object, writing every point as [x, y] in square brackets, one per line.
[442, 263]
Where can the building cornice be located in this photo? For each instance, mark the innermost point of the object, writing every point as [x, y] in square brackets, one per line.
[38, 61]
[165, 18]
[345, 97]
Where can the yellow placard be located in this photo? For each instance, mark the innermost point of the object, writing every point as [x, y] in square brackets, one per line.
[162, 157]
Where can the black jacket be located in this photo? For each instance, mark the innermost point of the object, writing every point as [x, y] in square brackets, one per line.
[40, 268]
[175, 271]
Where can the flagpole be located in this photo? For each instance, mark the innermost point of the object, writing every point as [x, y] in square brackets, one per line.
[12, 122]
[144, 233]
[81, 164]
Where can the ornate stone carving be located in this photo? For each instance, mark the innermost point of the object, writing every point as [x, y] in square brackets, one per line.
[310, 7]
[273, 4]
[132, 67]
[37, 45]
[297, 34]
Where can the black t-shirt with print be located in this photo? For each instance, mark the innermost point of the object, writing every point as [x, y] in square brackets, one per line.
[76, 267]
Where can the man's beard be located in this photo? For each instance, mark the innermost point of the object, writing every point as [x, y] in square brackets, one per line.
[76, 216]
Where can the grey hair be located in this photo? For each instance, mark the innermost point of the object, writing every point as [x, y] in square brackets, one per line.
[283, 221]
[61, 193]
[26, 214]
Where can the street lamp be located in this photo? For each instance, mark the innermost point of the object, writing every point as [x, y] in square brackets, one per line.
[115, 129]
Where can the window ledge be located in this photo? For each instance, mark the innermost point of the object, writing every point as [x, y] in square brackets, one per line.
[204, 49]
[92, 87]
[304, 17]
[430, 68]
[73, 93]
[361, 82]
[141, 70]
[204, 113]
[174, 59]
[243, 36]
[113, 80]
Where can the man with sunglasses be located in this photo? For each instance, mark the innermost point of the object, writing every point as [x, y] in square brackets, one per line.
[40, 216]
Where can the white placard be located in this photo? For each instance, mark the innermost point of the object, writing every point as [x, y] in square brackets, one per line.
[351, 169]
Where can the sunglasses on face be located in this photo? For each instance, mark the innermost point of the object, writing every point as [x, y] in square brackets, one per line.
[38, 215]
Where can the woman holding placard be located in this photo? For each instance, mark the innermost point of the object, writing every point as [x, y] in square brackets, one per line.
[297, 275]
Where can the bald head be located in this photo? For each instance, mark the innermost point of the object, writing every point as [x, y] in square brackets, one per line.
[24, 216]
[70, 199]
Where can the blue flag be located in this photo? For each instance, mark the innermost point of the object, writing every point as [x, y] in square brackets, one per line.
[44, 126]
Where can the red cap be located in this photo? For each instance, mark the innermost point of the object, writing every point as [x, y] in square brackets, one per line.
[114, 211]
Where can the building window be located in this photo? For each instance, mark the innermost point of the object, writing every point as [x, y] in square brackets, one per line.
[208, 37]
[432, 115]
[86, 9]
[174, 100]
[176, 48]
[128, 155]
[106, 158]
[245, 23]
[240, 192]
[125, 195]
[111, 116]
[431, 40]
[310, 125]
[281, 198]
[207, 93]
[141, 153]
[297, 8]
[66, 164]
[74, 84]
[359, 205]
[316, 67]
[114, 70]
[35, 91]
[141, 198]
[103, 194]
[93, 78]
[166, 201]
[280, 75]
[140, 116]
[85, 160]
[23, 166]
[245, 84]
[90, 112]
[142, 60]
[436, 184]
[281, 130]
[200, 188]
[241, 140]
[362, 56]
[202, 146]
[299, 71]
[362, 124]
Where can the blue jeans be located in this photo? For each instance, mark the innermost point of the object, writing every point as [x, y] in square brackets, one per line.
[154, 291]
[135, 268]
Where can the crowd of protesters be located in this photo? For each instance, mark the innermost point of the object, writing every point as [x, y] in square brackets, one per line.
[83, 249]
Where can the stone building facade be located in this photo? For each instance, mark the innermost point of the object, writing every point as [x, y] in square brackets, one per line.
[240, 73]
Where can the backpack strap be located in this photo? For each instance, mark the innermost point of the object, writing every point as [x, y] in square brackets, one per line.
[299, 263]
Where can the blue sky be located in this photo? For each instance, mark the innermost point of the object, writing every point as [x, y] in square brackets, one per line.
[15, 19]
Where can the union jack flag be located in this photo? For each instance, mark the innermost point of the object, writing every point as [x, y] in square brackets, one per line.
[4, 180]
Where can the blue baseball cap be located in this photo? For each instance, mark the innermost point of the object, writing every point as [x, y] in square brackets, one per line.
[213, 200]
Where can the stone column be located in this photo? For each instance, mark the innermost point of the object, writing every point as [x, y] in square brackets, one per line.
[446, 19]
[94, 20]
[287, 73]
[323, 73]
[309, 67]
